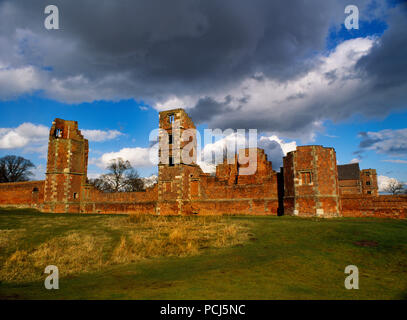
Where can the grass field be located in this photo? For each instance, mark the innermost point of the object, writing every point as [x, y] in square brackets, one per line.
[118, 257]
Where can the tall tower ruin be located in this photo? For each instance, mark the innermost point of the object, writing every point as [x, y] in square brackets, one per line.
[66, 167]
[177, 161]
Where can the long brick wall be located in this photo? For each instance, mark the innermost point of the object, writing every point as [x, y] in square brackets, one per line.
[28, 194]
[95, 201]
[384, 206]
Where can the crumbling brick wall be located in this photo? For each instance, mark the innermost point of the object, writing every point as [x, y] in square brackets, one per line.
[229, 192]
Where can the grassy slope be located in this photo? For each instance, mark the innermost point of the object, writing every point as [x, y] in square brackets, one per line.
[287, 258]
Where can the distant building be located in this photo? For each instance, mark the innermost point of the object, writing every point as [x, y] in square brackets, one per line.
[354, 181]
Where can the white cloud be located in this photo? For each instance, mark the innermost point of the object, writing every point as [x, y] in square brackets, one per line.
[174, 102]
[285, 146]
[33, 138]
[20, 80]
[100, 135]
[274, 147]
[355, 160]
[138, 157]
[24, 135]
[396, 161]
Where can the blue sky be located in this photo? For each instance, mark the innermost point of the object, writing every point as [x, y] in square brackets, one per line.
[124, 113]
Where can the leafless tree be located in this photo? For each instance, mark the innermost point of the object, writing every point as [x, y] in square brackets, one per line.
[15, 169]
[394, 187]
[133, 182]
[121, 177]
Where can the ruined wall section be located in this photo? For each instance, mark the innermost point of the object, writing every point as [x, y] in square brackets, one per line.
[229, 192]
[368, 181]
[311, 182]
[183, 188]
[28, 194]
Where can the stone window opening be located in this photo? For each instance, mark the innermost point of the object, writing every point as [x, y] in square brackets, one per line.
[369, 192]
[35, 189]
[368, 183]
[306, 178]
[171, 162]
[75, 195]
[170, 139]
[58, 133]
[171, 118]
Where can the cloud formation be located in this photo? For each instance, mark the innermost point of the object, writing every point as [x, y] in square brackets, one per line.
[34, 138]
[390, 142]
[100, 135]
[274, 147]
[233, 63]
[138, 157]
[400, 161]
[22, 136]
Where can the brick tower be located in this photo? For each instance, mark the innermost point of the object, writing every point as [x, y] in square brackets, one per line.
[177, 161]
[311, 182]
[66, 167]
[368, 179]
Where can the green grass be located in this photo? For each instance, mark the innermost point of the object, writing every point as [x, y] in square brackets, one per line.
[284, 258]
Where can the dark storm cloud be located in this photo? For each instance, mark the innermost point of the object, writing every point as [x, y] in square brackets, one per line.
[153, 49]
[387, 64]
[178, 46]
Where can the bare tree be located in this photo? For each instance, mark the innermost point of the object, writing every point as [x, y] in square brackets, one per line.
[15, 169]
[121, 177]
[394, 187]
[133, 182]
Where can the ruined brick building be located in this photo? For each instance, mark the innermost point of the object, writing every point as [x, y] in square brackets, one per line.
[310, 183]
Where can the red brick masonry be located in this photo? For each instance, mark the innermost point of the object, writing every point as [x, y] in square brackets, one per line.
[307, 185]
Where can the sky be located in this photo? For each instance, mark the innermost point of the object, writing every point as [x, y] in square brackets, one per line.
[293, 72]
